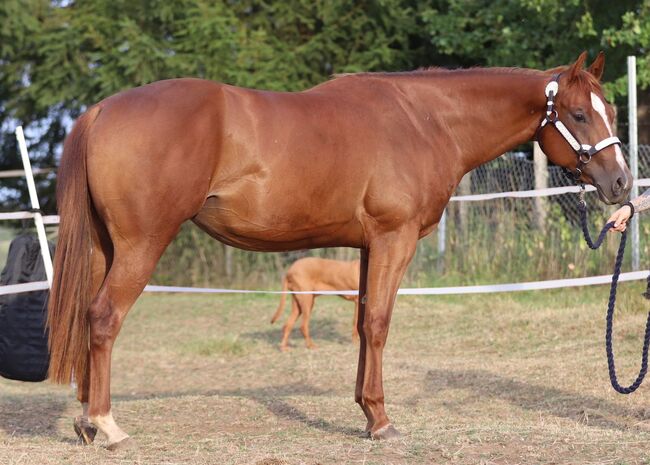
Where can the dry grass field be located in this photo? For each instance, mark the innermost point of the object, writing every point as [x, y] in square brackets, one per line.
[499, 379]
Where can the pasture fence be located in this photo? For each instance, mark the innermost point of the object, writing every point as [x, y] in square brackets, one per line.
[493, 229]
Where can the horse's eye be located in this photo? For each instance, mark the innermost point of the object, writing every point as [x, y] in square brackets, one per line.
[579, 117]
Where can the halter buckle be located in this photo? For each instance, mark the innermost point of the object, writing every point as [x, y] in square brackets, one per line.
[584, 157]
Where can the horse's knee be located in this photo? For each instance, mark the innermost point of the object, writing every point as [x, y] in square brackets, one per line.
[376, 331]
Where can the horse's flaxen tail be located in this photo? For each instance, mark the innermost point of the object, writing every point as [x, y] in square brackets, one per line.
[70, 298]
[278, 312]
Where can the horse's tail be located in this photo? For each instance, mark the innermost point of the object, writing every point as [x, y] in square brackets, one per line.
[69, 301]
[278, 312]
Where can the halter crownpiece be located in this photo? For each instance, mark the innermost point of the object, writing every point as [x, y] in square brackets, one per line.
[583, 151]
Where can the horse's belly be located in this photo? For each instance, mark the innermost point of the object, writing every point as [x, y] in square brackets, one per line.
[239, 224]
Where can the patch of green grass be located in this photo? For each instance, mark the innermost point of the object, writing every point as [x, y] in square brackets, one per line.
[231, 345]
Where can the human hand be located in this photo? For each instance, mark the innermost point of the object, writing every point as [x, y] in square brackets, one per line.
[619, 218]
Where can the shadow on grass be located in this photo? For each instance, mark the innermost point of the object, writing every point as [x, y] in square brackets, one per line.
[584, 409]
[30, 416]
[271, 398]
[324, 329]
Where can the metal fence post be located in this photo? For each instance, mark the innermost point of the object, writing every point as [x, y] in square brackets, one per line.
[634, 151]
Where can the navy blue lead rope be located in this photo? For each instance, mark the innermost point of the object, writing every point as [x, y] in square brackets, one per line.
[582, 206]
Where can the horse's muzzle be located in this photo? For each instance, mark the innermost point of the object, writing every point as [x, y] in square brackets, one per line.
[616, 190]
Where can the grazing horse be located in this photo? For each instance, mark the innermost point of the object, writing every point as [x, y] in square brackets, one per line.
[364, 160]
[316, 274]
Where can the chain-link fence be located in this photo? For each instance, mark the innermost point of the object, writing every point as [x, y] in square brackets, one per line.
[515, 171]
[504, 240]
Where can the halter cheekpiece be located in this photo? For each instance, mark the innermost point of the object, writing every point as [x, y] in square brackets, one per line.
[583, 151]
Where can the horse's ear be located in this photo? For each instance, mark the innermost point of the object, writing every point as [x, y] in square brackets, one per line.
[598, 66]
[576, 67]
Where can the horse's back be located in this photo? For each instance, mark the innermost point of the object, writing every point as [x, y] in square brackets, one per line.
[256, 169]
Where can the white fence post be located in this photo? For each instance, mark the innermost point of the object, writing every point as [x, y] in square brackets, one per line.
[634, 151]
[541, 182]
[38, 217]
[442, 241]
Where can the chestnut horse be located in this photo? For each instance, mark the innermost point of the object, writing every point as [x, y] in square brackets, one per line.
[364, 160]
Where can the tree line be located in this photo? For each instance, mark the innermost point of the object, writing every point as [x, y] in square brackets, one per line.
[57, 57]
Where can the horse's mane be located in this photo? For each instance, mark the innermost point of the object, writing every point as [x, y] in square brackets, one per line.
[435, 70]
[583, 79]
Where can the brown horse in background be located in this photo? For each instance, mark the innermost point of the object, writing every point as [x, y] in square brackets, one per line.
[366, 160]
[316, 274]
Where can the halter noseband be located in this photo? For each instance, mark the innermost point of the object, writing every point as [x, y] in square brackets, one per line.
[583, 151]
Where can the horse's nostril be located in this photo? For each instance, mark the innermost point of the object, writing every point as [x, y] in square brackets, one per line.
[619, 185]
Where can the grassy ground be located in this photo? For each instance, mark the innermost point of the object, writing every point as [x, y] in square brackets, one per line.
[502, 379]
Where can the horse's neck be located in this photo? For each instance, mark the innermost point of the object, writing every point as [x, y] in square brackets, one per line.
[482, 114]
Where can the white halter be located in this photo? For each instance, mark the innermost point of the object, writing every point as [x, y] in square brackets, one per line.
[584, 151]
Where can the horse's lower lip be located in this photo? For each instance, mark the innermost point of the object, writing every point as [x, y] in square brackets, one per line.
[609, 201]
[602, 195]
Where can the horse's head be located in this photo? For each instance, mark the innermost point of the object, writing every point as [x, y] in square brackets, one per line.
[584, 142]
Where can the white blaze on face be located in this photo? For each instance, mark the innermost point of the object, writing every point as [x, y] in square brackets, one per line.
[599, 106]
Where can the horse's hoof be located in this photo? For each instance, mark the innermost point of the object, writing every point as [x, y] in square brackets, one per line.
[385, 432]
[125, 444]
[284, 348]
[85, 430]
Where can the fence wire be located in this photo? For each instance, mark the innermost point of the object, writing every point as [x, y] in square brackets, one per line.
[516, 171]
[504, 240]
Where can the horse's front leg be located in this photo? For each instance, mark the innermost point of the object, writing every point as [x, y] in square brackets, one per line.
[387, 258]
[361, 367]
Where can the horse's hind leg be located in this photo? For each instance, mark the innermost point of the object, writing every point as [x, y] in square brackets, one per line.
[133, 263]
[101, 258]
